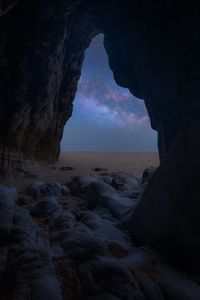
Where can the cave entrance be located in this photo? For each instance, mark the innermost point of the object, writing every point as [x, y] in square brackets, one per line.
[106, 117]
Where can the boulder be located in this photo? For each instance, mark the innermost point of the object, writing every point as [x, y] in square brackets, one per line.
[45, 207]
[6, 220]
[83, 248]
[8, 197]
[80, 184]
[107, 275]
[100, 193]
[122, 181]
[64, 221]
[27, 200]
[43, 189]
[65, 190]
[46, 287]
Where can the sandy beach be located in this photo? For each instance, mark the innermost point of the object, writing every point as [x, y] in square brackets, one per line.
[85, 163]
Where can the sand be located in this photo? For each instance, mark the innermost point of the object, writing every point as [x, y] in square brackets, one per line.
[84, 163]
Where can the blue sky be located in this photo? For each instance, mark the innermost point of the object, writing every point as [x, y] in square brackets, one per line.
[105, 116]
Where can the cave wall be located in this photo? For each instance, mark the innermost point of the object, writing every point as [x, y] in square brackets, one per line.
[41, 54]
[153, 49]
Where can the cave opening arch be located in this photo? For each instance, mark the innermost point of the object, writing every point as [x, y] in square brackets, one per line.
[105, 116]
[39, 77]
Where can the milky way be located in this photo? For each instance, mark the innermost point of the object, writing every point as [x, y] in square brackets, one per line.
[105, 116]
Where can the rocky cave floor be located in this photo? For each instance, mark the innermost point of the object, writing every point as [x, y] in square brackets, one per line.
[70, 242]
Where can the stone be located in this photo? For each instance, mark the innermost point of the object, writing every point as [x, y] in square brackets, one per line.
[107, 179]
[107, 275]
[100, 169]
[8, 196]
[65, 190]
[147, 174]
[175, 285]
[103, 194]
[105, 296]
[67, 168]
[80, 184]
[46, 287]
[90, 219]
[83, 248]
[27, 200]
[64, 221]
[122, 181]
[6, 220]
[43, 189]
[45, 207]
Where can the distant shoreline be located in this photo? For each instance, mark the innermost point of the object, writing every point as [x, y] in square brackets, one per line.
[107, 151]
[76, 163]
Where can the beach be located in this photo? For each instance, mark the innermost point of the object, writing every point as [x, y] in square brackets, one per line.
[88, 163]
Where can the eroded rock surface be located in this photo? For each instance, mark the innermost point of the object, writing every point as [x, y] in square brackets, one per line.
[81, 254]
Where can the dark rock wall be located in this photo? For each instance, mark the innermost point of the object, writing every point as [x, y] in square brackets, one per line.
[154, 51]
[6, 6]
[42, 49]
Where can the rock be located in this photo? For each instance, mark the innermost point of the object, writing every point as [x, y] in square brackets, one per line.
[103, 194]
[100, 169]
[45, 207]
[8, 196]
[3, 263]
[24, 229]
[90, 219]
[107, 179]
[107, 275]
[46, 287]
[83, 248]
[122, 181]
[167, 213]
[98, 192]
[6, 219]
[67, 168]
[105, 296]
[117, 249]
[65, 190]
[27, 200]
[148, 173]
[64, 221]
[175, 285]
[43, 189]
[80, 184]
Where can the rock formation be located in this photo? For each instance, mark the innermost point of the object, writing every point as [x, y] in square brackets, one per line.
[49, 249]
[153, 49]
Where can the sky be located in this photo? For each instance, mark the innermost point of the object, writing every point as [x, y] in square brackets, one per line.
[106, 117]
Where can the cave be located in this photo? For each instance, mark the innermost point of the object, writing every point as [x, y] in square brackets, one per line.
[153, 50]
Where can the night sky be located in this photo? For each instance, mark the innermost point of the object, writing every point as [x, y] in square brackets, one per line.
[106, 117]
